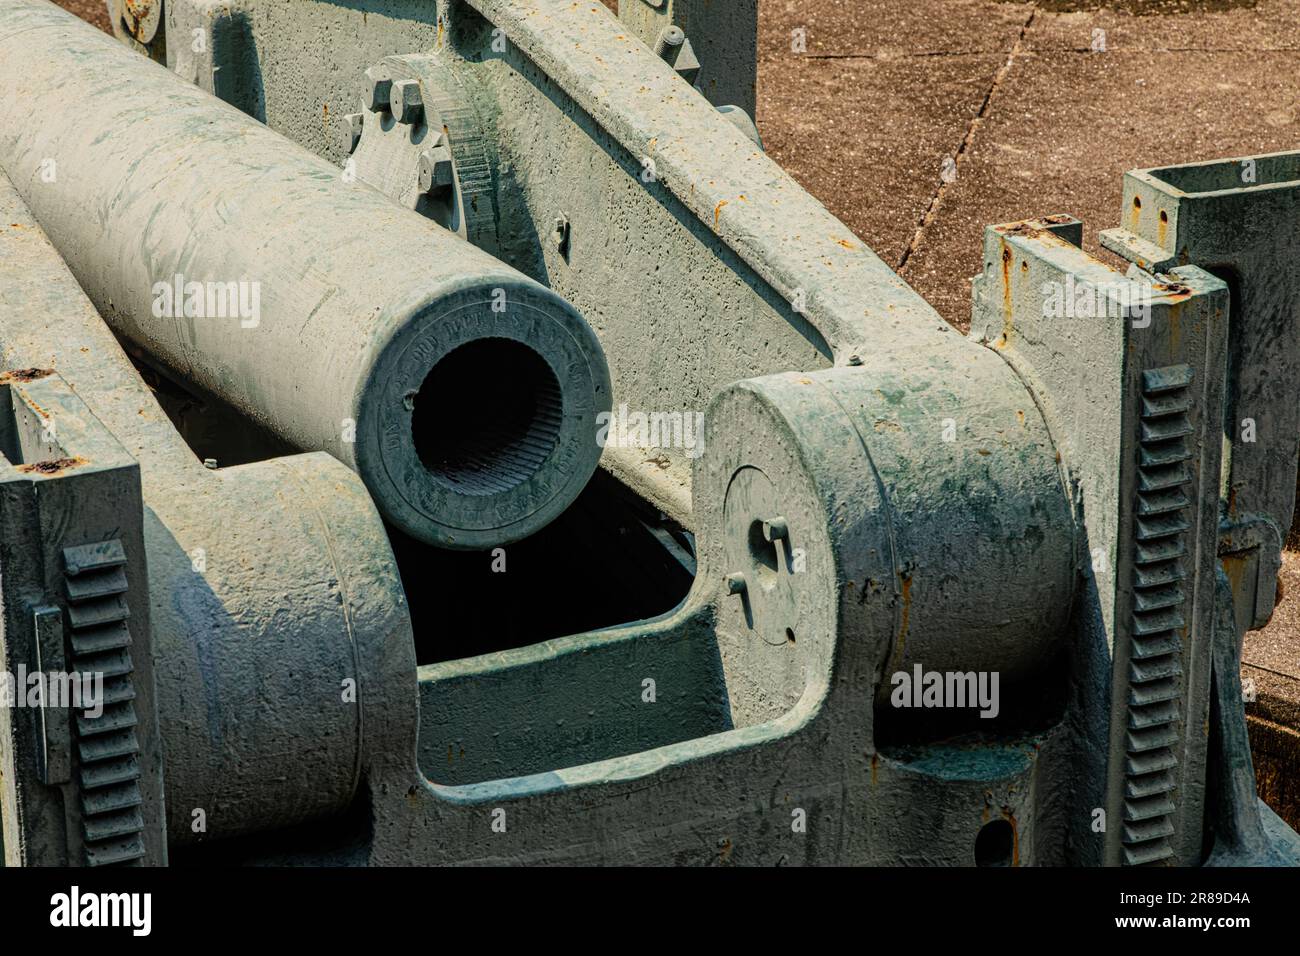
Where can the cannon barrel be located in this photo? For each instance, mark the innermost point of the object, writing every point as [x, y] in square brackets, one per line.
[462, 392]
[271, 586]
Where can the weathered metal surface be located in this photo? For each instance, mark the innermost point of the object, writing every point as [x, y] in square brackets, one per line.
[1133, 397]
[270, 585]
[800, 711]
[359, 326]
[139, 24]
[724, 37]
[697, 260]
[446, 175]
[81, 771]
[1237, 219]
[874, 496]
[1027, 453]
[141, 18]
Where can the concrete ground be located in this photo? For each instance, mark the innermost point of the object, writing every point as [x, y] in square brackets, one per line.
[1039, 107]
[96, 11]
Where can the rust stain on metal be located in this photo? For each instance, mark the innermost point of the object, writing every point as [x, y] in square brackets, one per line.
[905, 581]
[1034, 228]
[24, 375]
[51, 467]
[134, 13]
[1010, 817]
[1005, 339]
[724, 850]
[1234, 567]
[1175, 325]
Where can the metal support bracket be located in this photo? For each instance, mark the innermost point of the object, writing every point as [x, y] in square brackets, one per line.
[81, 717]
[1240, 220]
[1128, 371]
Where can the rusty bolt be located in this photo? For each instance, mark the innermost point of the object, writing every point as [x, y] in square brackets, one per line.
[736, 583]
[436, 170]
[141, 18]
[378, 87]
[350, 127]
[405, 101]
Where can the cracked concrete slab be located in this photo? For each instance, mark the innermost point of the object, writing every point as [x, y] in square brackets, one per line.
[887, 29]
[1222, 25]
[882, 95]
[869, 137]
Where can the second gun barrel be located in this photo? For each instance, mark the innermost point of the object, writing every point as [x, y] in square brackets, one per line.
[464, 393]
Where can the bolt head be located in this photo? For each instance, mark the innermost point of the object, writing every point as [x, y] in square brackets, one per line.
[377, 89]
[350, 130]
[405, 101]
[735, 583]
[436, 169]
[775, 529]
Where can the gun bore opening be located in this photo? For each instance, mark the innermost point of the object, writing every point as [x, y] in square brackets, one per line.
[487, 417]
